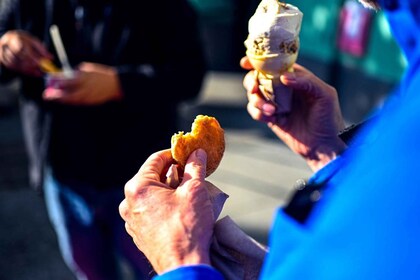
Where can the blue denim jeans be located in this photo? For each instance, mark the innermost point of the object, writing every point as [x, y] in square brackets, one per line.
[91, 234]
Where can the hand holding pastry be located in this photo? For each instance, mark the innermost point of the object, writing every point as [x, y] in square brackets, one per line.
[21, 52]
[91, 84]
[182, 219]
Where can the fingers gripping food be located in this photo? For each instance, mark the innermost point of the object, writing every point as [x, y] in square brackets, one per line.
[206, 133]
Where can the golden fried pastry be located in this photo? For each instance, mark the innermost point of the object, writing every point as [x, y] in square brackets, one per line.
[207, 134]
[48, 66]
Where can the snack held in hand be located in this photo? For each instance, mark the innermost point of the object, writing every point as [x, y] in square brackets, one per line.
[53, 74]
[207, 134]
[272, 47]
[48, 66]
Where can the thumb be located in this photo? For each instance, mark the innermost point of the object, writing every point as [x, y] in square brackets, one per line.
[196, 166]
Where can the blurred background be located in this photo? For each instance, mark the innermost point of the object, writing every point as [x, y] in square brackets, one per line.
[351, 49]
[346, 45]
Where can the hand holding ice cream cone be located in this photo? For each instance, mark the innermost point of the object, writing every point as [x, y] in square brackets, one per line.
[272, 48]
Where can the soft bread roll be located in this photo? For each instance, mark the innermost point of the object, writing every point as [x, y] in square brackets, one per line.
[207, 134]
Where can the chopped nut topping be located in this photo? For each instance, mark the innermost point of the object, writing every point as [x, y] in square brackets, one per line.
[258, 46]
[290, 47]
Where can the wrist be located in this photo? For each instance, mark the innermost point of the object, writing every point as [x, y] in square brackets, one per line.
[178, 259]
[321, 155]
[116, 84]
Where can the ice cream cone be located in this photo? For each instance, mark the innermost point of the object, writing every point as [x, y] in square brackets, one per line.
[272, 48]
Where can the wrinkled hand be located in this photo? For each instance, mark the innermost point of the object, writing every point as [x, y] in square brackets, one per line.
[311, 128]
[172, 227]
[93, 84]
[21, 52]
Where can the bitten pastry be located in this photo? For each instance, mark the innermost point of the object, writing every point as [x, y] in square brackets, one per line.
[207, 134]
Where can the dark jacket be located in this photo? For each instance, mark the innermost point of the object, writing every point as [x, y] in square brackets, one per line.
[156, 48]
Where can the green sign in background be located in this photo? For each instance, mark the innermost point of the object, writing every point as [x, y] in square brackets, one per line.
[382, 58]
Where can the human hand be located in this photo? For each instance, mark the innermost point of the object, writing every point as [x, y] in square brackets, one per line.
[21, 52]
[311, 128]
[93, 84]
[172, 227]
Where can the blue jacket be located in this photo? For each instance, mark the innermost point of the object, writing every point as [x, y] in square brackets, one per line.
[367, 223]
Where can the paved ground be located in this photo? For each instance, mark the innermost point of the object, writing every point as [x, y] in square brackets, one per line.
[27, 243]
[257, 172]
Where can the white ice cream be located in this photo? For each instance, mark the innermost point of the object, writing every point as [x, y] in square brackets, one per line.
[273, 39]
[272, 48]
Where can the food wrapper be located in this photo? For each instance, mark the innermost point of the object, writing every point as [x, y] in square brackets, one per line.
[232, 252]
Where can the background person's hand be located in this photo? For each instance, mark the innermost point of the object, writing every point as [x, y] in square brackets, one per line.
[93, 84]
[172, 227]
[312, 126]
[21, 52]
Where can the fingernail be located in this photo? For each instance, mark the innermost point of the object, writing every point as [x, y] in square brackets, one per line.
[201, 154]
[268, 109]
[48, 93]
[289, 76]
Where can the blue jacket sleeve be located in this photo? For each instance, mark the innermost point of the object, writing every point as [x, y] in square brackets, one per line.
[199, 272]
[366, 224]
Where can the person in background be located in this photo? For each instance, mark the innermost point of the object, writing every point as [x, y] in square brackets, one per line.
[355, 218]
[134, 62]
